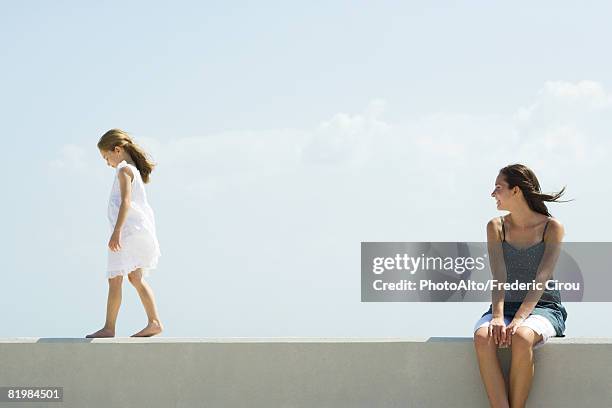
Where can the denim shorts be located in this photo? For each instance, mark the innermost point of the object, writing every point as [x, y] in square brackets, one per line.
[538, 323]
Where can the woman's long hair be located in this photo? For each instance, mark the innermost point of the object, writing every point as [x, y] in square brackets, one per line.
[523, 177]
[117, 137]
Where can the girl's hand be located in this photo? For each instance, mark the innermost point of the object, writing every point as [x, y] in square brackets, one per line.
[512, 327]
[497, 329]
[114, 244]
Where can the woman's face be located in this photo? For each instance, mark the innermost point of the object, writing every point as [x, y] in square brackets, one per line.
[503, 195]
[112, 157]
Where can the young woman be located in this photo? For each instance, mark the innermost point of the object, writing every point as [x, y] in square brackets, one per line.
[523, 245]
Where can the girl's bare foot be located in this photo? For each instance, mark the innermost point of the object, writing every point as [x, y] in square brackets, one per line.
[104, 332]
[152, 329]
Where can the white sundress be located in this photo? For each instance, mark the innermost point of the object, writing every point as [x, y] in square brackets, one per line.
[138, 239]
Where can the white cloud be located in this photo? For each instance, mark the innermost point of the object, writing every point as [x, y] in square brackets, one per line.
[563, 128]
[346, 138]
[70, 156]
[566, 125]
[587, 93]
[561, 100]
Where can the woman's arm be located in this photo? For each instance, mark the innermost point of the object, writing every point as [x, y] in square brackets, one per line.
[498, 266]
[497, 325]
[546, 268]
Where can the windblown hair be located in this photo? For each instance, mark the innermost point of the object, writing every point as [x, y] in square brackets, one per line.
[117, 137]
[523, 177]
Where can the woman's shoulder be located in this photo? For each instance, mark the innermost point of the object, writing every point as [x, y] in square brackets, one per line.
[494, 228]
[495, 220]
[494, 223]
[554, 229]
[554, 223]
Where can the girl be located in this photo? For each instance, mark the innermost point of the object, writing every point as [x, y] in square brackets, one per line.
[523, 245]
[133, 245]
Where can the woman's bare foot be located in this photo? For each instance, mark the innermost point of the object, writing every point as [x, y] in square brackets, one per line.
[103, 332]
[152, 329]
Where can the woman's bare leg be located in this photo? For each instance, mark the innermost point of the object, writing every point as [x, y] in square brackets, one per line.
[145, 292]
[522, 365]
[112, 308]
[490, 368]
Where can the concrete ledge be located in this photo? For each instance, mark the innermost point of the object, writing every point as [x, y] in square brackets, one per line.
[294, 372]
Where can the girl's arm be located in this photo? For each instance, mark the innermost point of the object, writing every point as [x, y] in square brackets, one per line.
[125, 184]
[555, 234]
[498, 267]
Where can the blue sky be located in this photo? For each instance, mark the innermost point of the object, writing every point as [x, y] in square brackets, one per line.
[286, 134]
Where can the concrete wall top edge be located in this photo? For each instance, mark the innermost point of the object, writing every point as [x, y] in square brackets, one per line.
[555, 340]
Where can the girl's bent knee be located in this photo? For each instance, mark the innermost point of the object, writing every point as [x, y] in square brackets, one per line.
[135, 280]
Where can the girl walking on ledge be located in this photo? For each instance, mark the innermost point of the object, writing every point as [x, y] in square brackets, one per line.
[133, 246]
[523, 246]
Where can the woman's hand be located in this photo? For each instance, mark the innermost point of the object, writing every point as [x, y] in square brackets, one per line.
[114, 244]
[497, 329]
[512, 327]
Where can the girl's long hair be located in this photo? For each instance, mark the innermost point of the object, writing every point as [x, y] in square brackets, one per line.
[117, 137]
[523, 177]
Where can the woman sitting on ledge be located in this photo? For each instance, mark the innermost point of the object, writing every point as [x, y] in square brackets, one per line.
[523, 245]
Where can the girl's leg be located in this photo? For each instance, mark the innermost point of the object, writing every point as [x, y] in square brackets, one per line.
[490, 369]
[522, 365]
[112, 308]
[148, 301]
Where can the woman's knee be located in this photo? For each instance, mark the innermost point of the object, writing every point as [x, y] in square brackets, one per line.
[523, 339]
[482, 339]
